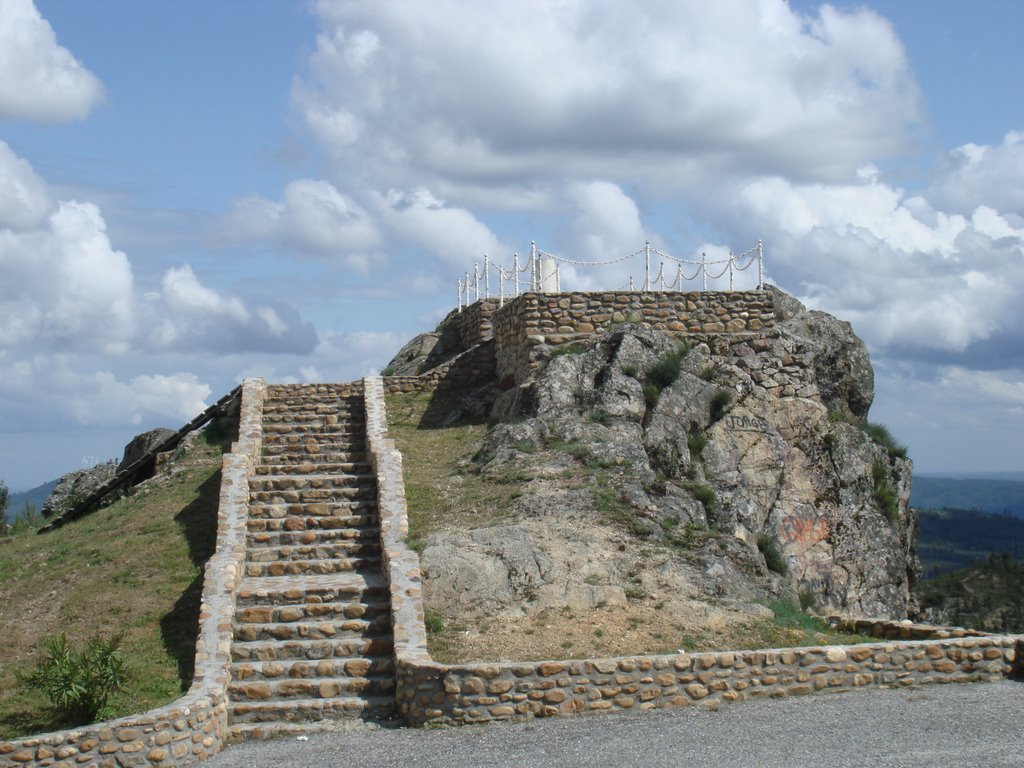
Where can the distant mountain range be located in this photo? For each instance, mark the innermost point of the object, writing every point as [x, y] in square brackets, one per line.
[35, 496]
[996, 494]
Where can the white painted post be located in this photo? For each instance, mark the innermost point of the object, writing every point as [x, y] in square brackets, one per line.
[515, 272]
[631, 286]
[459, 289]
[548, 274]
[704, 268]
[730, 270]
[487, 278]
[558, 278]
[534, 268]
[501, 286]
[647, 265]
[476, 281]
[760, 266]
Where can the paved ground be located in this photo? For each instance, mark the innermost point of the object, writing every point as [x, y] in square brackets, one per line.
[967, 726]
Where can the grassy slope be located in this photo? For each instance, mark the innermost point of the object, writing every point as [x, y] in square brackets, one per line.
[444, 493]
[134, 566]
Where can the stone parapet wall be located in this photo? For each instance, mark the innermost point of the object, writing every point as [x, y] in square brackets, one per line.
[195, 726]
[474, 324]
[474, 693]
[900, 630]
[536, 319]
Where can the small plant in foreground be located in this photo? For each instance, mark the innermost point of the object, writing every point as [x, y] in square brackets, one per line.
[773, 557]
[433, 622]
[79, 682]
[884, 494]
[881, 435]
[719, 402]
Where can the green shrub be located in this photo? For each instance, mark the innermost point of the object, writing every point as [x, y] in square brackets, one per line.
[719, 402]
[651, 394]
[416, 543]
[696, 443]
[773, 557]
[387, 370]
[807, 600]
[884, 493]
[631, 370]
[79, 682]
[666, 370]
[705, 494]
[881, 435]
[567, 349]
[433, 622]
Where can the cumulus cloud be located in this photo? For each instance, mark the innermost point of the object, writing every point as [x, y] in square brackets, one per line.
[913, 280]
[312, 217]
[39, 79]
[662, 91]
[24, 198]
[197, 317]
[973, 174]
[451, 233]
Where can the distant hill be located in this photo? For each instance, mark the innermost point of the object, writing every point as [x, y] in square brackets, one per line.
[984, 494]
[988, 595]
[953, 538]
[35, 496]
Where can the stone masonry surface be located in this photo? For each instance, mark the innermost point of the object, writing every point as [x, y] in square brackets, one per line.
[428, 692]
[535, 319]
[312, 634]
[195, 726]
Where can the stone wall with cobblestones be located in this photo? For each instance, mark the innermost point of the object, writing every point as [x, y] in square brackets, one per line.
[527, 324]
[431, 692]
[195, 726]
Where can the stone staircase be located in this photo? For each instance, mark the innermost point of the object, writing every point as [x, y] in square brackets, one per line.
[312, 635]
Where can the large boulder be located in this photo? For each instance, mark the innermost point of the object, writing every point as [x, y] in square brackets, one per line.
[751, 467]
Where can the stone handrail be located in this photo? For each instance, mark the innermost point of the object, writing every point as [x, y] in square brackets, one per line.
[194, 726]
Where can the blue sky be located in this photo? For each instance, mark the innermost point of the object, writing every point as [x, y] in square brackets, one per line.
[191, 193]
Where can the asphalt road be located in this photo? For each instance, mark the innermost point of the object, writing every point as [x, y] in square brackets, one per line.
[978, 725]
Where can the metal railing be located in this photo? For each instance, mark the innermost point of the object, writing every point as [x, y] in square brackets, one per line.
[544, 272]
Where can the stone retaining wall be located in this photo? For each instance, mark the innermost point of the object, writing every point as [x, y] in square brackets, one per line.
[474, 366]
[535, 319]
[195, 726]
[428, 692]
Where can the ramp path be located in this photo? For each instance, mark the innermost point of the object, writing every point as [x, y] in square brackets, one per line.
[312, 637]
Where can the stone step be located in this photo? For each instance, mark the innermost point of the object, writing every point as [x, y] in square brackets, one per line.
[356, 524]
[300, 567]
[309, 630]
[293, 669]
[299, 454]
[312, 710]
[287, 423]
[312, 650]
[316, 466]
[344, 507]
[282, 614]
[314, 499]
[312, 480]
[314, 405]
[342, 587]
[310, 688]
[316, 391]
[315, 537]
[273, 432]
[346, 548]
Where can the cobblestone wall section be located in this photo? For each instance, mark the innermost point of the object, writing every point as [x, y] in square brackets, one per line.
[474, 323]
[430, 692]
[475, 693]
[536, 319]
[195, 726]
[899, 630]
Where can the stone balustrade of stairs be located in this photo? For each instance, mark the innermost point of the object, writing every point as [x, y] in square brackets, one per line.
[312, 635]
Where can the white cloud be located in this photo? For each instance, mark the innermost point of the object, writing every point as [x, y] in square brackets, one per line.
[312, 217]
[100, 398]
[24, 198]
[39, 79]
[973, 175]
[453, 234]
[63, 284]
[666, 91]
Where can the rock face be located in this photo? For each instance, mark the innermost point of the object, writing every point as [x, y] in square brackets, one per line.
[740, 469]
[75, 486]
[142, 444]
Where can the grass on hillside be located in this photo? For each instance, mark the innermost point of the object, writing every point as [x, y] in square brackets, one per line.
[441, 496]
[135, 566]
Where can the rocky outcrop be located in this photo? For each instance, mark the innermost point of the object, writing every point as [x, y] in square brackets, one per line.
[76, 486]
[143, 444]
[737, 469]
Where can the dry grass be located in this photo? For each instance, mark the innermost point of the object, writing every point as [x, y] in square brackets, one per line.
[442, 489]
[134, 566]
[641, 628]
